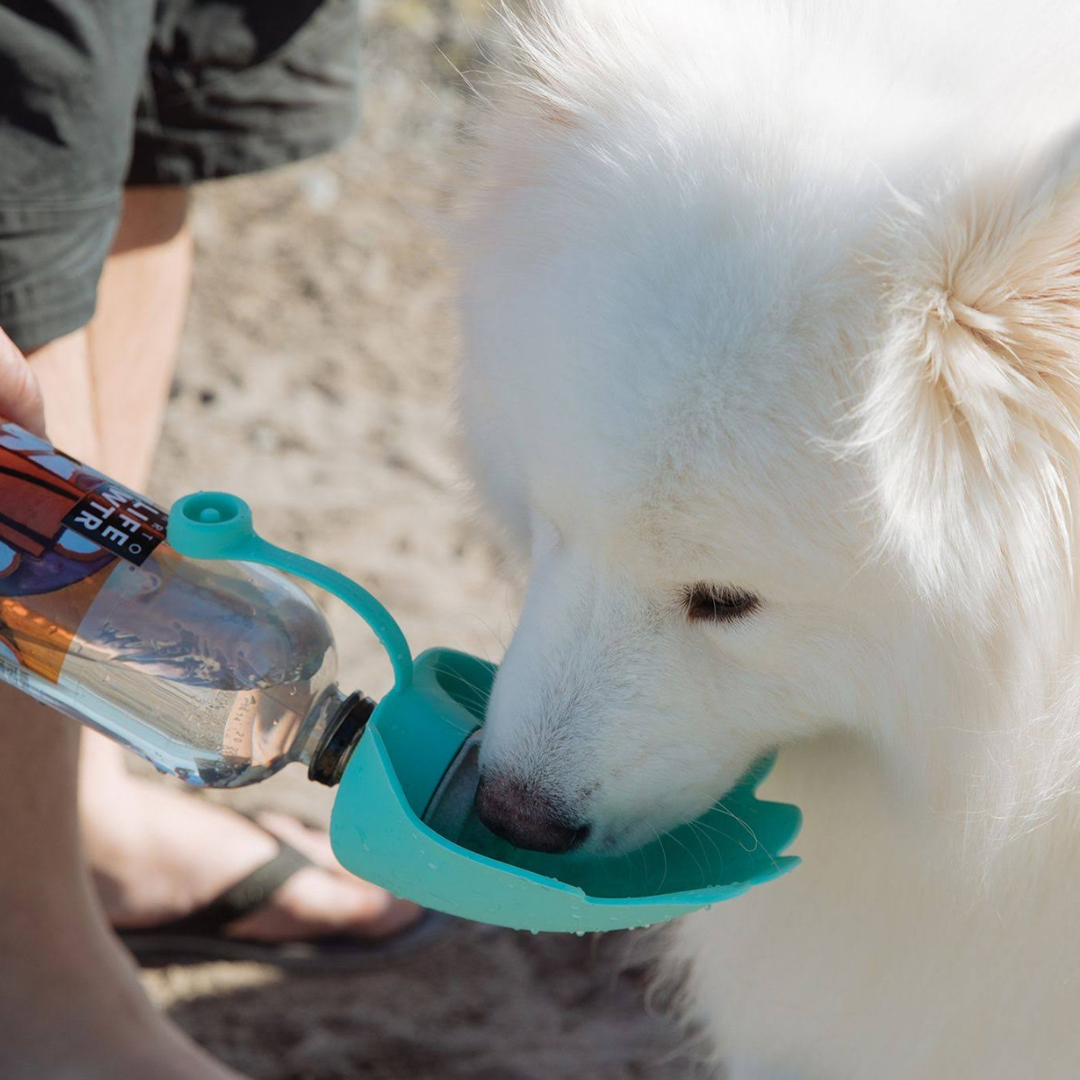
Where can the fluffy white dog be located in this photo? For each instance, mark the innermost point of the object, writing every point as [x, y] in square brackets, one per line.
[772, 312]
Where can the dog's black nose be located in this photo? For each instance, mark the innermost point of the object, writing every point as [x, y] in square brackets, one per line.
[525, 818]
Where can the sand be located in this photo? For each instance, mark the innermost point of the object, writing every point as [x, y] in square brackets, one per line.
[315, 380]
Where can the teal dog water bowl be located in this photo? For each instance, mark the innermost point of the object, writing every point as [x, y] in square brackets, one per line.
[412, 739]
[403, 815]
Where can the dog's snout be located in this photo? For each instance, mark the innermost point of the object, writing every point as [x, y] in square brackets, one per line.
[525, 817]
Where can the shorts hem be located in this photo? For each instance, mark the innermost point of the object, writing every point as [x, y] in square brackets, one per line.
[170, 159]
[32, 324]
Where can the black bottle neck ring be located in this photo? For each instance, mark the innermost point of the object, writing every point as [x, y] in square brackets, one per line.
[342, 733]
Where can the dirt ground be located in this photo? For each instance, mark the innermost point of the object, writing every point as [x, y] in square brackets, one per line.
[315, 381]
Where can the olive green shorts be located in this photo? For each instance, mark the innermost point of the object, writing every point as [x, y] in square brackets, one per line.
[99, 94]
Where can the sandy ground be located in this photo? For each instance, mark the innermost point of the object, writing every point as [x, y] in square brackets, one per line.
[315, 381]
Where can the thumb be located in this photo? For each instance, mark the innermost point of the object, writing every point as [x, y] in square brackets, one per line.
[20, 395]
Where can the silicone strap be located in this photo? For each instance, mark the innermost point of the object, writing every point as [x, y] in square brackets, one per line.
[216, 525]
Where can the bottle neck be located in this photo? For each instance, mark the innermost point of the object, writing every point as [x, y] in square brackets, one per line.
[339, 723]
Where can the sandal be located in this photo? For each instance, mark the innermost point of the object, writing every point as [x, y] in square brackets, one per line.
[199, 937]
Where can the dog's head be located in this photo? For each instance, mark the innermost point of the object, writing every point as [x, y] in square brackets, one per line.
[790, 440]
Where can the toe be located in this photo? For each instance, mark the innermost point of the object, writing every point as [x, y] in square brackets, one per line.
[316, 903]
[323, 900]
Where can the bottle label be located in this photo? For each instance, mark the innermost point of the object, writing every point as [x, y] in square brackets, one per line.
[63, 526]
[120, 521]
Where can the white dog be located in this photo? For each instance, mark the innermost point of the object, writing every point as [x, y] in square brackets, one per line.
[772, 315]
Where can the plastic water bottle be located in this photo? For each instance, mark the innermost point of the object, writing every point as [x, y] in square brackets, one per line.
[219, 673]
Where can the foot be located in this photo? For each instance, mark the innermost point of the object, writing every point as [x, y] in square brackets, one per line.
[158, 854]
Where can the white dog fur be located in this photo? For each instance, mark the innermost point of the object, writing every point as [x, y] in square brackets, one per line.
[784, 295]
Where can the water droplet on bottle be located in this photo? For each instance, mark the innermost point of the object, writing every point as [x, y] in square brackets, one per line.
[433, 866]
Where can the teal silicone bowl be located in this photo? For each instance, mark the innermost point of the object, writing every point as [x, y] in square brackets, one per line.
[412, 738]
[417, 732]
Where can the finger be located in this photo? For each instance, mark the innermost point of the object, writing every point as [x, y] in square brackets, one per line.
[20, 395]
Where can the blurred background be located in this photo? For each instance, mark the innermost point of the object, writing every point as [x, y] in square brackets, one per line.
[315, 380]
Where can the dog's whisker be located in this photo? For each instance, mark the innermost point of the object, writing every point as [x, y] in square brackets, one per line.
[739, 821]
[663, 852]
[703, 830]
[697, 863]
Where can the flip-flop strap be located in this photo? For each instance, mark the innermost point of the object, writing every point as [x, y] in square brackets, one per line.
[243, 896]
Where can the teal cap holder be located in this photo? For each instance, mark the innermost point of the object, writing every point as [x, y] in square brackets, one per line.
[423, 726]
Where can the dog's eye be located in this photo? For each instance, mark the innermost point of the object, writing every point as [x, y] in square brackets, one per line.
[718, 603]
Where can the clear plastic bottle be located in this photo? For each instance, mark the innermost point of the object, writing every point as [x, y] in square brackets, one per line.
[220, 673]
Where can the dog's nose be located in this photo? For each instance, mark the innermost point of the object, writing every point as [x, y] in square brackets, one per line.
[525, 818]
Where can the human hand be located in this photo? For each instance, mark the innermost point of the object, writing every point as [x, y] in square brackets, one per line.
[20, 395]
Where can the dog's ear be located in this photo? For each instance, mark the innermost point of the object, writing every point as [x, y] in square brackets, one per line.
[972, 416]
